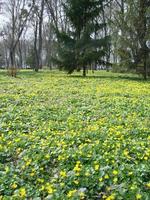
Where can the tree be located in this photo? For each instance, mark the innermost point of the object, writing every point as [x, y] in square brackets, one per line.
[80, 46]
[37, 25]
[130, 31]
[50, 49]
[55, 12]
[18, 12]
[142, 32]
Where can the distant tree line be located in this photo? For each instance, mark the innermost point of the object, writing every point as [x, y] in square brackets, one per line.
[75, 35]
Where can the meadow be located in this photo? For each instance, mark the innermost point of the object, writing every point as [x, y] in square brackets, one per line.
[67, 137]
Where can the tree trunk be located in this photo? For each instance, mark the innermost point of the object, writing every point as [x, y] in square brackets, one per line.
[142, 33]
[20, 54]
[84, 71]
[12, 58]
[12, 70]
[40, 34]
[145, 64]
[36, 68]
[105, 32]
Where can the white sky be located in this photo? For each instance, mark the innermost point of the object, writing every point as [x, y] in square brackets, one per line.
[3, 20]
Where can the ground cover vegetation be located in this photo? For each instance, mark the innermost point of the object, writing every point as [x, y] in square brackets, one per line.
[68, 137]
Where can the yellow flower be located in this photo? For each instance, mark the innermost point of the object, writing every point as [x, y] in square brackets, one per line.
[71, 193]
[100, 179]
[145, 158]
[7, 169]
[148, 185]
[41, 169]
[89, 155]
[14, 186]
[126, 152]
[96, 167]
[77, 168]
[138, 196]
[28, 162]
[130, 173]
[77, 174]
[42, 188]
[49, 188]
[76, 182]
[108, 188]
[22, 192]
[115, 180]
[115, 172]
[47, 156]
[32, 174]
[133, 187]
[106, 176]
[82, 195]
[63, 174]
[18, 150]
[23, 167]
[111, 197]
[40, 180]
[87, 174]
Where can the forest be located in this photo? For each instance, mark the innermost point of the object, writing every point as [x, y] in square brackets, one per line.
[74, 100]
[75, 35]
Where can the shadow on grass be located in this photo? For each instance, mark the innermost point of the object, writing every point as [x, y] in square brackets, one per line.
[55, 73]
[123, 77]
[22, 74]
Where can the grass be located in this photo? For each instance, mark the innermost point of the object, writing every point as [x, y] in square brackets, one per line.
[67, 137]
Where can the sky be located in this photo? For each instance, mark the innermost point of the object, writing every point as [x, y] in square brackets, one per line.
[3, 18]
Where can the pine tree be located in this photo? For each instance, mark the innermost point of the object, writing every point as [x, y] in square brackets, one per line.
[81, 45]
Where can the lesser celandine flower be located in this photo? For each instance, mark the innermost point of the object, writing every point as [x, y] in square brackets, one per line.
[49, 188]
[106, 176]
[111, 197]
[115, 172]
[96, 167]
[138, 196]
[71, 193]
[63, 174]
[148, 185]
[22, 192]
[14, 186]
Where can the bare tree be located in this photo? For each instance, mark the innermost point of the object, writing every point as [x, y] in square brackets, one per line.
[18, 13]
[37, 24]
[55, 11]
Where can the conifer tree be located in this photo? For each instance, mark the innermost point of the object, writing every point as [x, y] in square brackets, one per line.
[82, 44]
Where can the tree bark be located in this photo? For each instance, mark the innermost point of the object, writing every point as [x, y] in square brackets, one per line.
[36, 68]
[40, 34]
[142, 33]
[12, 70]
[84, 71]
